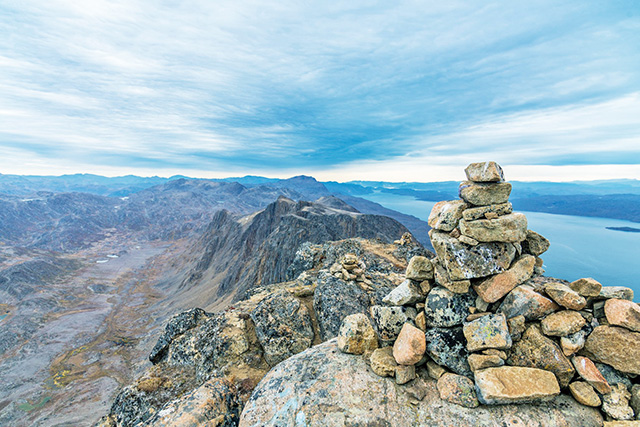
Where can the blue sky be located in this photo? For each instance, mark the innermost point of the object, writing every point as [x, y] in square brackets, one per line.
[405, 90]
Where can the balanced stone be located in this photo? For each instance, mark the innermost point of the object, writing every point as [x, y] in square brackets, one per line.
[468, 262]
[495, 287]
[484, 194]
[623, 313]
[616, 403]
[445, 215]
[524, 300]
[419, 269]
[489, 331]
[565, 296]
[410, 346]
[535, 244]
[444, 308]
[479, 212]
[619, 292]
[587, 287]
[583, 392]
[562, 323]
[382, 362]
[508, 228]
[484, 172]
[446, 347]
[405, 293]
[534, 350]
[590, 373]
[357, 335]
[388, 321]
[457, 389]
[510, 384]
[483, 361]
[615, 346]
[442, 278]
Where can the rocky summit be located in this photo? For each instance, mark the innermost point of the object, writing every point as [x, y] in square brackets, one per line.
[368, 333]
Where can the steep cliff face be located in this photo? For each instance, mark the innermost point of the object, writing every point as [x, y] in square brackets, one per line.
[236, 254]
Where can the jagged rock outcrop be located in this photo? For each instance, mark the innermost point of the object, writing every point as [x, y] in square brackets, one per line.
[324, 387]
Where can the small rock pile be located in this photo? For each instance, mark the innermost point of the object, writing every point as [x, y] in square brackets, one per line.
[351, 268]
[482, 320]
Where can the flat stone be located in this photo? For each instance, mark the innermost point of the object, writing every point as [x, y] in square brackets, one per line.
[356, 335]
[489, 331]
[619, 292]
[616, 403]
[495, 352]
[623, 313]
[496, 287]
[444, 308]
[535, 244]
[565, 296]
[468, 262]
[484, 172]
[584, 394]
[615, 346]
[587, 287]
[446, 214]
[457, 389]
[590, 373]
[517, 326]
[388, 321]
[511, 384]
[562, 323]
[405, 293]
[410, 346]
[573, 343]
[484, 194]
[534, 350]
[510, 228]
[468, 240]
[442, 278]
[479, 212]
[483, 361]
[382, 362]
[419, 269]
[434, 370]
[523, 300]
[446, 346]
[404, 374]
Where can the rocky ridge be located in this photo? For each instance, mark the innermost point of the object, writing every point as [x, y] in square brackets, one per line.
[490, 329]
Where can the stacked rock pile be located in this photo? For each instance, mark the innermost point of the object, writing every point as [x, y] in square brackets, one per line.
[481, 320]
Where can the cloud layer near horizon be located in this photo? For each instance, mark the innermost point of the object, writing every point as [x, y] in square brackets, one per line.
[239, 87]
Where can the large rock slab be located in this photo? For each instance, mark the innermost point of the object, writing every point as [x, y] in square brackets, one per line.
[468, 262]
[445, 215]
[562, 323]
[512, 384]
[615, 346]
[484, 194]
[534, 350]
[495, 287]
[510, 228]
[444, 309]
[324, 387]
[283, 326]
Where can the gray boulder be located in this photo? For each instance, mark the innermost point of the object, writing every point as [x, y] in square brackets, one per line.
[324, 387]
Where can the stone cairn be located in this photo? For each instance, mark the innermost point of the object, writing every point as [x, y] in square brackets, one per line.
[482, 320]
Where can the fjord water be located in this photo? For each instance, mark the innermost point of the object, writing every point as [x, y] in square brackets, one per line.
[580, 246]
